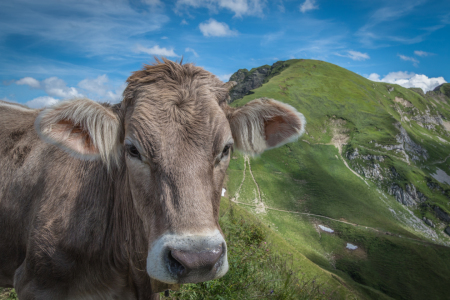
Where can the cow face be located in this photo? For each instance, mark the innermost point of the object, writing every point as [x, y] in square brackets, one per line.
[178, 143]
[174, 133]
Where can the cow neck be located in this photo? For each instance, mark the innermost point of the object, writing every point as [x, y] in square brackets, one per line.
[126, 232]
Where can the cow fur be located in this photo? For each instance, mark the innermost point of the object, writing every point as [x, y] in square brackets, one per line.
[79, 214]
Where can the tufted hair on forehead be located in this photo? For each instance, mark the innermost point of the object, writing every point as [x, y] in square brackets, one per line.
[176, 76]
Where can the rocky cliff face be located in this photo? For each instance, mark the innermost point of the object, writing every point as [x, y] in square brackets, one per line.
[442, 91]
[406, 146]
[408, 196]
[250, 80]
[372, 167]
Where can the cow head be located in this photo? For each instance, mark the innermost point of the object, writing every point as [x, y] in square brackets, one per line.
[173, 133]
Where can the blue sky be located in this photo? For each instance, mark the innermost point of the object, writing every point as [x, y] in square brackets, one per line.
[57, 49]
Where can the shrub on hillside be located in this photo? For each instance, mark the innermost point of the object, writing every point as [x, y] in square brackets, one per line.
[7, 294]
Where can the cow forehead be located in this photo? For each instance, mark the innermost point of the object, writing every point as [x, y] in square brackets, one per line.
[169, 123]
[173, 107]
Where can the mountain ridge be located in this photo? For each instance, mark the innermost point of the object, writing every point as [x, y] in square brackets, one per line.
[394, 139]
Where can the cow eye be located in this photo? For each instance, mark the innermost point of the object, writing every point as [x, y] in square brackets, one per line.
[133, 151]
[226, 150]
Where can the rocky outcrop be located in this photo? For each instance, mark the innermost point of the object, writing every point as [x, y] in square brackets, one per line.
[434, 186]
[371, 168]
[428, 121]
[406, 145]
[418, 91]
[250, 80]
[372, 171]
[403, 102]
[442, 215]
[428, 222]
[443, 89]
[440, 93]
[447, 230]
[355, 154]
[394, 172]
[410, 196]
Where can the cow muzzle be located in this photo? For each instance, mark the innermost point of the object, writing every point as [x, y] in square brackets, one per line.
[188, 258]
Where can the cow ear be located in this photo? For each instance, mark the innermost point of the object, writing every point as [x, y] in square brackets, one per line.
[83, 128]
[264, 124]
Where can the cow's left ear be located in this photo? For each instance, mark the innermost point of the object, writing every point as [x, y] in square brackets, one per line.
[264, 124]
[82, 127]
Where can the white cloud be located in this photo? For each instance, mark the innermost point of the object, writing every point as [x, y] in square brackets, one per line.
[99, 89]
[243, 7]
[116, 96]
[214, 28]
[280, 6]
[225, 77]
[407, 58]
[56, 87]
[382, 25]
[29, 81]
[374, 77]
[239, 7]
[153, 3]
[156, 50]
[96, 85]
[81, 27]
[422, 53]
[355, 55]
[184, 22]
[53, 86]
[40, 102]
[410, 79]
[191, 50]
[308, 5]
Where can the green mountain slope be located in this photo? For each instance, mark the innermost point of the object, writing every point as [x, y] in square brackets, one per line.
[372, 167]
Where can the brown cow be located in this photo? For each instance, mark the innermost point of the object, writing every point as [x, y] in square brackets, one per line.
[96, 199]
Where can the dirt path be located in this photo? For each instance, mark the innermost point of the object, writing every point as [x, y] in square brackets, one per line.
[345, 163]
[441, 161]
[236, 197]
[338, 142]
[260, 207]
[259, 204]
[385, 153]
[345, 222]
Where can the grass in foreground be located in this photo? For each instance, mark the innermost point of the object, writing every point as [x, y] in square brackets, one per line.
[7, 294]
[256, 271]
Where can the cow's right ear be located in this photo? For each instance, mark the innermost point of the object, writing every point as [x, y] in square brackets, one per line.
[83, 128]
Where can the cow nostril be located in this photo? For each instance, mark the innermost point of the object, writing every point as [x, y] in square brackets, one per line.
[174, 266]
[181, 263]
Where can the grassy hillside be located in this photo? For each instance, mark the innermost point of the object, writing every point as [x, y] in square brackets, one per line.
[263, 265]
[301, 186]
